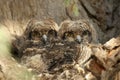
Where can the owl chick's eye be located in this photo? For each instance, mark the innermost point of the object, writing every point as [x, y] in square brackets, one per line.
[68, 34]
[71, 35]
[35, 35]
[87, 36]
[86, 32]
[65, 35]
[52, 33]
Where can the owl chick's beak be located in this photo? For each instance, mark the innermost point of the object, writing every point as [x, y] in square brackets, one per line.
[78, 38]
[44, 38]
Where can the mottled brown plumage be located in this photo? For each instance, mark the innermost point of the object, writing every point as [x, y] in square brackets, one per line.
[39, 37]
[53, 48]
[79, 34]
[41, 30]
[79, 30]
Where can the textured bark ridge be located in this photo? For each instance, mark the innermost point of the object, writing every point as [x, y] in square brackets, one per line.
[102, 63]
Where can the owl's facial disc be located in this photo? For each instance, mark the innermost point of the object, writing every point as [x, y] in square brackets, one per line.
[34, 35]
[78, 38]
[69, 36]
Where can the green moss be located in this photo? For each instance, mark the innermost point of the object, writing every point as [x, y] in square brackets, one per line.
[73, 5]
[4, 43]
[75, 10]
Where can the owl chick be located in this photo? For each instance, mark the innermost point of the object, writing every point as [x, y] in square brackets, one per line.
[38, 36]
[41, 31]
[76, 31]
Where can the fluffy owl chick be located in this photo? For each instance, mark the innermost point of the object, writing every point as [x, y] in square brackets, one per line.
[77, 31]
[42, 31]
